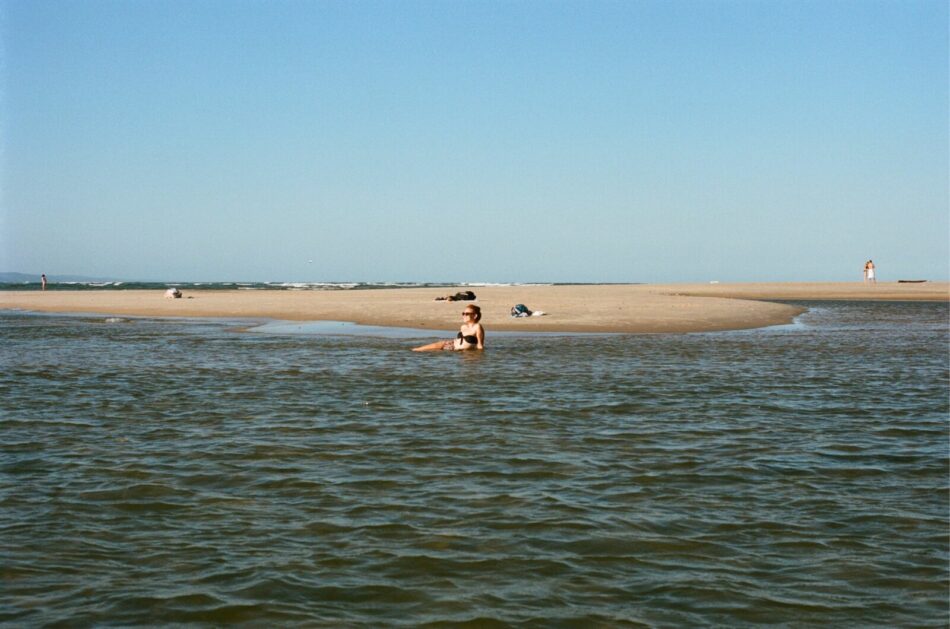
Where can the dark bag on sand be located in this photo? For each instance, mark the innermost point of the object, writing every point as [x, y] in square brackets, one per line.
[520, 310]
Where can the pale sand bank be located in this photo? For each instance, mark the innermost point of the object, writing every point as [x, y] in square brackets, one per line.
[611, 308]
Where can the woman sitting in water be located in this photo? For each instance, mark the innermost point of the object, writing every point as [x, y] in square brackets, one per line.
[471, 335]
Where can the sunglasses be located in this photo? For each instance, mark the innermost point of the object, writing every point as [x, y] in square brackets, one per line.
[466, 313]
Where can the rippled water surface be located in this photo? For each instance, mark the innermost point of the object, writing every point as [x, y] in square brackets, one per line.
[166, 472]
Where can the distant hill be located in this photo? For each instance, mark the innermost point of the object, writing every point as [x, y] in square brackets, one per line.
[34, 278]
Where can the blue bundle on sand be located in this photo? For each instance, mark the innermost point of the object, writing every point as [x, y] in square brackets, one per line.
[520, 310]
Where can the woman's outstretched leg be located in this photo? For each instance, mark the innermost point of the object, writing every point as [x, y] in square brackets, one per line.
[438, 346]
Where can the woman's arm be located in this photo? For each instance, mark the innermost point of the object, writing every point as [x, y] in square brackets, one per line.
[480, 335]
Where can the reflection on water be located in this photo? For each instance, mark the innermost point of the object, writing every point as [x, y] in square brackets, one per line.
[165, 472]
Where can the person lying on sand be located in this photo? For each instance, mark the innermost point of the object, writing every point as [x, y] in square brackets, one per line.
[471, 335]
[463, 296]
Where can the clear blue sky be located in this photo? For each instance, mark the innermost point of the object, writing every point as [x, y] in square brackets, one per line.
[641, 141]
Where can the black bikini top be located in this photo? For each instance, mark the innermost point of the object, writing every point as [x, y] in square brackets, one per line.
[470, 339]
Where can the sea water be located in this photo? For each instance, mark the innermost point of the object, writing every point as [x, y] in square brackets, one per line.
[112, 285]
[181, 472]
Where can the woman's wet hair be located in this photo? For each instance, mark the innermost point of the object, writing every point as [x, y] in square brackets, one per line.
[476, 312]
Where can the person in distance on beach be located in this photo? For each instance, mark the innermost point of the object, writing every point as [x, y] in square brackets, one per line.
[464, 296]
[43, 281]
[870, 272]
[471, 335]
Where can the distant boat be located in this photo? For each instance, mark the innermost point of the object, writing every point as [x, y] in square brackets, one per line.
[911, 281]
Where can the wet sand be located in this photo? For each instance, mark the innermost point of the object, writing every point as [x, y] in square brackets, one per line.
[576, 308]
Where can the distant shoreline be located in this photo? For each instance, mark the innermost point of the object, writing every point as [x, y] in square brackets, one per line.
[668, 308]
[56, 283]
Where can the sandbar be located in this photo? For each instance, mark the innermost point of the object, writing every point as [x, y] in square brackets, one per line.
[624, 308]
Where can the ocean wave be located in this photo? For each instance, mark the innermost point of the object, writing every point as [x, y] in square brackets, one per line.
[502, 284]
[269, 285]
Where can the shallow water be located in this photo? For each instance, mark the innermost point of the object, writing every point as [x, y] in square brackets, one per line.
[164, 472]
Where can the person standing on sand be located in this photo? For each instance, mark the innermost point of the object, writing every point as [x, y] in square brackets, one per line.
[869, 272]
[43, 281]
[471, 335]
